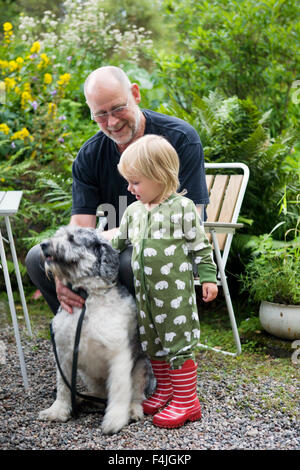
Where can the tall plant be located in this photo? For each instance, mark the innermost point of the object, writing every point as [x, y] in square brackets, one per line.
[234, 130]
[43, 116]
[248, 48]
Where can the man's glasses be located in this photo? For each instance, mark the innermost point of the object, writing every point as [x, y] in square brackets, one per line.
[117, 112]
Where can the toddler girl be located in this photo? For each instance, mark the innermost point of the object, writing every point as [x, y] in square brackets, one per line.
[166, 233]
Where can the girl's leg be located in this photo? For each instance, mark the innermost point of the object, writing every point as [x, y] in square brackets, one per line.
[185, 405]
[164, 389]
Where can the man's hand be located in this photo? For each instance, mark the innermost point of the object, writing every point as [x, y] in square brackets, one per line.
[67, 298]
[109, 234]
[209, 291]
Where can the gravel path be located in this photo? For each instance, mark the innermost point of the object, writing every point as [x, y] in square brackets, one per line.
[233, 415]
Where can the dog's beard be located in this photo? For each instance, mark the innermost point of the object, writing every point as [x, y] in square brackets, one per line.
[55, 270]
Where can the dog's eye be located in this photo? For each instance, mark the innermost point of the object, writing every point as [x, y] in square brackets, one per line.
[71, 238]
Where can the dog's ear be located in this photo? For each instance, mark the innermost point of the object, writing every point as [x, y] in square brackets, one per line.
[108, 261]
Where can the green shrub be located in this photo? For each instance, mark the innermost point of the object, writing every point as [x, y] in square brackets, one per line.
[247, 48]
[234, 130]
[274, 271]
[44, 119]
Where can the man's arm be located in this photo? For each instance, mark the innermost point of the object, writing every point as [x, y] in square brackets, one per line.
[86, 220]
[83, 220]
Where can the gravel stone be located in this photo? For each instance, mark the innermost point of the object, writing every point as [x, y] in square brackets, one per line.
[233, 415]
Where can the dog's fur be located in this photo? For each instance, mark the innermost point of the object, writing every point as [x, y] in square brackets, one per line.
[110, 361]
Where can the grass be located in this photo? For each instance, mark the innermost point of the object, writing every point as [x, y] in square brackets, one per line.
[216, 329]
[39, 313]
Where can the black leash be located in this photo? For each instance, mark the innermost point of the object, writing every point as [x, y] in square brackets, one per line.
[72, 387]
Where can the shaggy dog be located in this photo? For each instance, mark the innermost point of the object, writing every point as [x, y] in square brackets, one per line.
[110, 361]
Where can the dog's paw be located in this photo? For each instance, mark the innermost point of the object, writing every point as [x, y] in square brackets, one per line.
[114, 420]
[56, 412]
[136, 411]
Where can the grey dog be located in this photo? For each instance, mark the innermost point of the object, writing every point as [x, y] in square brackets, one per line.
[110, 360]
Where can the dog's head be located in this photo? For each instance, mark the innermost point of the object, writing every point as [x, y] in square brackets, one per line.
[75, 253]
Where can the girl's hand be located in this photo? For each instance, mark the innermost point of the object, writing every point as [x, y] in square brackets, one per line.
[209, 291]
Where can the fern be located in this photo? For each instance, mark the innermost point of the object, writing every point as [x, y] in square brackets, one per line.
[60, 196]
[233, 130]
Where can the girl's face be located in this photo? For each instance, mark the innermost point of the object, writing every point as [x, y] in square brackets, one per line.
[145, 190]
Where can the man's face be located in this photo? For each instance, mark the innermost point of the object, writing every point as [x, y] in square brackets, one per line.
[122, 127]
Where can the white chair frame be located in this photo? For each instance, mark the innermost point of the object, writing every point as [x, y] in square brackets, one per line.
[226, 227]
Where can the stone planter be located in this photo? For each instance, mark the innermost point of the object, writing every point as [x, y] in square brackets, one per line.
[280, 320]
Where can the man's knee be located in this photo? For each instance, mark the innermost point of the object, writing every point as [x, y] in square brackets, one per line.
[33, 262]
[125, 270]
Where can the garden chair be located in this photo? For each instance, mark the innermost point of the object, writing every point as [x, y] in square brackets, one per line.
[226, 192]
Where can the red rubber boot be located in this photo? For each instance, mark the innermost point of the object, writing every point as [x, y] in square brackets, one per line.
[185, 405]
[163, 392]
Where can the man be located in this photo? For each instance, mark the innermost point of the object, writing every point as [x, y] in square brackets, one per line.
[113, 102]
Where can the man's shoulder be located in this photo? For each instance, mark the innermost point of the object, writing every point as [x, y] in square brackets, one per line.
[170, 126]
[93, 141]
[94, 150]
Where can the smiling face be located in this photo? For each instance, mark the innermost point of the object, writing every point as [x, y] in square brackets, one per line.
[145, 190]
[104, 94]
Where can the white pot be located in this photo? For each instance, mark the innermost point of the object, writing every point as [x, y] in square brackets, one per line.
[280, 320]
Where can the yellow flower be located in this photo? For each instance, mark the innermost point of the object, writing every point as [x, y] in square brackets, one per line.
[64, 79]
[4, 64]
[8, 31]
[10, 83]
[25, 98]
[22, 135]
[44, 62]
[13, 65]
[7, 26]
[27, 86]
[36, 47]
[52, 109]
[19, 61]
[47, 78]
[4, 129]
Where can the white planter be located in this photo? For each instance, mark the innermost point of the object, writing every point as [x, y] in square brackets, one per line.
[280, 320]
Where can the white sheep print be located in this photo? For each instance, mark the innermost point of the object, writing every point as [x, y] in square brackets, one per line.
[165, 241]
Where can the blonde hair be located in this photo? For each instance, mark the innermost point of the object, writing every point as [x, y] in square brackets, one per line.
[153, 157]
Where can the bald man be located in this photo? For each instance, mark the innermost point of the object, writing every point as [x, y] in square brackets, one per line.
[114, 105]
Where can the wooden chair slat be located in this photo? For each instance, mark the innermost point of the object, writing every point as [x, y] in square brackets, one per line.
[216, 197]
[229, 203]
[209, 182]
[226, 195]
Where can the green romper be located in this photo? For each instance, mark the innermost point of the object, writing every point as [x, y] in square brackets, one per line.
[165, 241]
